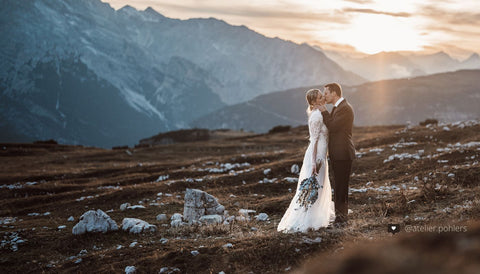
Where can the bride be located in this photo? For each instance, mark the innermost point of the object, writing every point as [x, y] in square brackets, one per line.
[298, 217]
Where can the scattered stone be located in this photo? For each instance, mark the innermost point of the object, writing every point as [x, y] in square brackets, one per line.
[71, 219]
[195, 252]
[211, 219]
[228, 245]
[262, 217]
[163, 240]
[94, 221]
[124, 206]
[267, 171]
[199, 203]
[229, 220]
[130, 269]
[162, 217]
[246, 212]
[136, 207]
[312, 241]
[295, 169]
[62, 227]
[176, 220]
[169, 270]
[134, 225]
[79, 260]
[133, 244]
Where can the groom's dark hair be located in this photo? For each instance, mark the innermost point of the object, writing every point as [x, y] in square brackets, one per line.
[335, 87]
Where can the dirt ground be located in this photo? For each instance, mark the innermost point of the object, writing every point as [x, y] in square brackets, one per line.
[411, 176]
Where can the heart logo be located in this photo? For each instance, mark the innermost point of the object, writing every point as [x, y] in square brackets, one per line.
[393, 228]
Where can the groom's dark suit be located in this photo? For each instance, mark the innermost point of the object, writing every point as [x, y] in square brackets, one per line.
[341, 153]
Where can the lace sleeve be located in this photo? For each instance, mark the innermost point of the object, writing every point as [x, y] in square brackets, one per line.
[316, 125]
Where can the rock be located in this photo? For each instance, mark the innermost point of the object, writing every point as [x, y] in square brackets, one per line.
[136, 207]
[228, 245]
[130, 269]
[162, 217]
[133, 244]
[124, 206]
[246, 212]
[199, 203]
[71, 219]
[62, 227]
[94, 221]
[134, 225]
[176, 220]
[266, 171]
[262, 217]
[177, 223]
[169, 270]
[195, 252]
[229, 220]
[176, 216]
[295, 169]
[211, 219]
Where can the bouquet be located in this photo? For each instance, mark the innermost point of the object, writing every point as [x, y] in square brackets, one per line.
[308, 192]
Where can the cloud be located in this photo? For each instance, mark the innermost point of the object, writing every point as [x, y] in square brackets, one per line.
[286, 13]
[360, 1]
[451, 16]
[372, 11]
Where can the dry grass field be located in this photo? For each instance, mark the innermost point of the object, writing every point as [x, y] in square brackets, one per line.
[412, 176]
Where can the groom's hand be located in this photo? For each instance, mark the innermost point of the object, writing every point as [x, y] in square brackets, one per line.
[323, 108]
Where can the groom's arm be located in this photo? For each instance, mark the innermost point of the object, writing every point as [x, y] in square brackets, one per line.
[337, 122]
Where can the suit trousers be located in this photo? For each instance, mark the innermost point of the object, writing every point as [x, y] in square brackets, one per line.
[341, 175]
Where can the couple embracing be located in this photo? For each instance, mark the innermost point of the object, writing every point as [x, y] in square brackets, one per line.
[330, 133]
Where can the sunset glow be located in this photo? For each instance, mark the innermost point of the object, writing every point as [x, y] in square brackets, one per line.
[365, 26]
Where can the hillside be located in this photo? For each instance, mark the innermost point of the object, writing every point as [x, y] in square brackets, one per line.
[403, 175]
[160, 73]
[447, 97]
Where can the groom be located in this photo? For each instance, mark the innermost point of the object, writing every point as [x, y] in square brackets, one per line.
[340, 146]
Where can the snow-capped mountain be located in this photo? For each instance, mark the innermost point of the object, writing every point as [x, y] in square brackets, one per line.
[448, 97]
[160, 73]
[394, 65]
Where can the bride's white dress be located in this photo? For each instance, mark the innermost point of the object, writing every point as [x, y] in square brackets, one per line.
[322, 212]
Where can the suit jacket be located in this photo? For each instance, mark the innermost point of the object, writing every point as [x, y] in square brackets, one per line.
[340, 125]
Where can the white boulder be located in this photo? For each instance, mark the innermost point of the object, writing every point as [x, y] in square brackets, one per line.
[199, 203]
[94, 221]
[134, 225]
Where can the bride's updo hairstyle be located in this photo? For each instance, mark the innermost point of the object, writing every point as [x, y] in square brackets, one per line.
[311, 98]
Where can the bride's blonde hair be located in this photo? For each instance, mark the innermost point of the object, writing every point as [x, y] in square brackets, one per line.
[311, 97]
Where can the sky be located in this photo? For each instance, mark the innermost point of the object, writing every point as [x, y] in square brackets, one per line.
[353, 27]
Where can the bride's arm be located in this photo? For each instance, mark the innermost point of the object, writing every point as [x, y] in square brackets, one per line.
[316, 126]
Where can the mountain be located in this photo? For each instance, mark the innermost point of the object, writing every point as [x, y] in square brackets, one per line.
[394, 65]
[472, 62]
[435, 63]
[383, 65]
[160, 73]
[447, 97]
